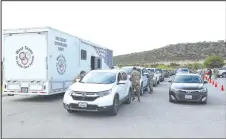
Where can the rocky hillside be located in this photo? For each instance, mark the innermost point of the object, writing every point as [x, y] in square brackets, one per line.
[175, 52]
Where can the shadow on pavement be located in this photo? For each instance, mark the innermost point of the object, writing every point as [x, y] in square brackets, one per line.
[40, 98]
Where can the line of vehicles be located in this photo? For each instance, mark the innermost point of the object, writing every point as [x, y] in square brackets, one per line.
[44, 61]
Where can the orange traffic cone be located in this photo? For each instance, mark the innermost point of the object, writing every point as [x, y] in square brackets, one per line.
[222, 88]
[209, 80]
[215, 84]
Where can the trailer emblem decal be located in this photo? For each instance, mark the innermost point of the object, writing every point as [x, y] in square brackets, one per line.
[61, 64]
[24, 57]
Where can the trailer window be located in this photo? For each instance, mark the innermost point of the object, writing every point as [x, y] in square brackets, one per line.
[83, 54]
[99, 65]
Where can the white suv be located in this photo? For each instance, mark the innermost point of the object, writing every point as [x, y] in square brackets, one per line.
[99, 90]
[144, 76]
[156, 77]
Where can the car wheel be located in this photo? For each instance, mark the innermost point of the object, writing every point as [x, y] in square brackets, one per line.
[114, 109]
[170, 99]
[141, 90]
[158, 82]
[224, 75]
[129, 99]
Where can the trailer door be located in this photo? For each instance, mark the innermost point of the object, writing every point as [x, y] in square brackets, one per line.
[25, 56]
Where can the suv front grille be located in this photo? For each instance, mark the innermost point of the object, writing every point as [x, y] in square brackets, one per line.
[86, 98]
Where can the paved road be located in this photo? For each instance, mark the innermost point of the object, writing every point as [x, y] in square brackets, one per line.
[153, 117]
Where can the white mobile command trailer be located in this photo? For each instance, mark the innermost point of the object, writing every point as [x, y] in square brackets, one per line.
[44, 61]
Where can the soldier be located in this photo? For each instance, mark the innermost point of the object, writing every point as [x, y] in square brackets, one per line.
[210, 73]
[215, 72]
[79, 76]
[135, 78]
[150, 82]
[202, 73]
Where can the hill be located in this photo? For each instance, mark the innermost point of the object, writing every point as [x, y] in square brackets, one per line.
[175, 52]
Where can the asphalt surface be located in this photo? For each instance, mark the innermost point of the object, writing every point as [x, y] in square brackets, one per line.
[154, 116]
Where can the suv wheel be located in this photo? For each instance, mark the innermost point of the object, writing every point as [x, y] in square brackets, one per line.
[114, 110]
[129, 99]
[224, 75]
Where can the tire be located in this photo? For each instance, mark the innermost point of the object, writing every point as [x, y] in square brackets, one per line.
[170, 99]
[129, 99]
[224, 75]
[141, 90]
[114, 110]
[158, 82]
[69, 111]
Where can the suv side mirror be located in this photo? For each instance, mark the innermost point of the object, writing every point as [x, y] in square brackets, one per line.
[170, 81]
[205, 82]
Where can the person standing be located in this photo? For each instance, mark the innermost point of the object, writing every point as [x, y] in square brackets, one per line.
[135, 78]
[150, 82]
[210, 74]
[79, 76]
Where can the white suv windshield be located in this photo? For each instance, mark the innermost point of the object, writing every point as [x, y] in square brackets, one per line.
[99, 78]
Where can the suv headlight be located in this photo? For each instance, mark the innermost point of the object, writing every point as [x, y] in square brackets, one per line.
[104, 93]
[203, 90]
[69, 91]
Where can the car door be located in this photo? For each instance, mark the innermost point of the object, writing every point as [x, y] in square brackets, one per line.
[144, 77]
[120, 87]
[126, 86]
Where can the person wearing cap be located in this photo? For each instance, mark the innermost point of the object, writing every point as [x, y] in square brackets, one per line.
[135, 78]
[79, 76]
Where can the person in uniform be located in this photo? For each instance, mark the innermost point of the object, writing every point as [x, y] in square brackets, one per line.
[150, 82]
[202, 73]
[79, 76]
[210, 74]
[135, 78]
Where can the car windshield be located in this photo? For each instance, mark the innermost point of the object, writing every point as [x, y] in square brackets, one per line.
[99, 78]
[127, 70]
[151, 70]
[182, 70]
[159, 70]
[187, 79]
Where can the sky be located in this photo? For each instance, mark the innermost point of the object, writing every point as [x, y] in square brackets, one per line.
[124, 27]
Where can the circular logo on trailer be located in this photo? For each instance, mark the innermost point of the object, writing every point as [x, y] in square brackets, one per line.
[24, 57]
[61, 64]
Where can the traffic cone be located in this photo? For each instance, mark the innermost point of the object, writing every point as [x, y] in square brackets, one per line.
[222, 88]
[209, 80]
[215, 84]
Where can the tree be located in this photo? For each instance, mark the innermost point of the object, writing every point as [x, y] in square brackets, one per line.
[197, 66]
[214, 62]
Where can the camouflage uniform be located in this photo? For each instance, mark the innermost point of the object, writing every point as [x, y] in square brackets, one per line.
[215, 72]
[150, 82]
[79, 76]
[135, 77]
[202, 73]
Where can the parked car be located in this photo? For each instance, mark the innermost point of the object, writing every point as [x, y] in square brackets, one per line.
[188, 87]
[99, 90]
[156, 77]
[222, 72]
[144, 76]
[182, 70]
[162, 76]
[166, 73]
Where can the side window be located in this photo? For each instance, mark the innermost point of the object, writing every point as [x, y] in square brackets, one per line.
[83, 54]
[124, 76]
[119, 78]
[99, 64]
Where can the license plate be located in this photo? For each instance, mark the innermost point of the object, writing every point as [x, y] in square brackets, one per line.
[82, 105]
[24, 89]
[188, 96]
